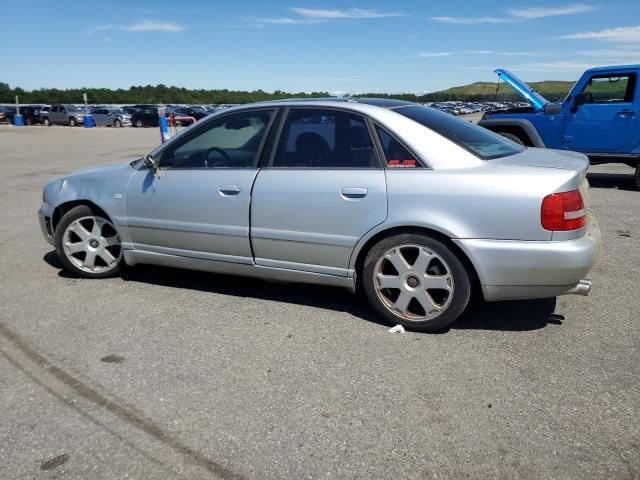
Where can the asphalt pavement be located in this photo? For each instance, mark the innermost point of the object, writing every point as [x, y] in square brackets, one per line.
[166, 374]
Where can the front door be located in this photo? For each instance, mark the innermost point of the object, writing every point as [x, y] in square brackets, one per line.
[198, 203]
[608, 119]
[324, 189]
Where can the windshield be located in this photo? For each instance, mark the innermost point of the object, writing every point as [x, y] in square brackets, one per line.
[477, 140]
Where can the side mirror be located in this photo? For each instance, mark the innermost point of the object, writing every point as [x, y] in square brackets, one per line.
[151, 163]
[581, 99]
[552, 108]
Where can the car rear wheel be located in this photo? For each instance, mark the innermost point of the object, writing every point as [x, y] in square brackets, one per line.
[28, 121]
[46, 122]
[416, 281]
[87, 244]
[117, 123]
[139, 123]
[512, 137]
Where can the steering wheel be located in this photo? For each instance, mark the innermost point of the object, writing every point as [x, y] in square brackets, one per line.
[225, 157]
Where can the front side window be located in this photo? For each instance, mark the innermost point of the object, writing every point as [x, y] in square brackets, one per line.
[609, 89]
[319, 138]
[232, 141]
[479, 141]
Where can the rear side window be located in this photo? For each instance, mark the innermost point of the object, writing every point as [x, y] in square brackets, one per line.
[477, 140]
[395, 153]
[319, 138]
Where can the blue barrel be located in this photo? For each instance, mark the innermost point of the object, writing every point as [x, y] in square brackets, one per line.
[88, 121]
[18, 121]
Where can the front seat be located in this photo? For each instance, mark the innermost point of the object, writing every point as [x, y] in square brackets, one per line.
[312, 150]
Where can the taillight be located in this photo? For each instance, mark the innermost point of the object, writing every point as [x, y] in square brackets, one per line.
[563, 211]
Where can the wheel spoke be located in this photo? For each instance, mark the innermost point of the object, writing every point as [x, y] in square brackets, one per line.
[422, 262]
[90, 260]
[389, 281]
[427, 303]
[97, 228]
[398, 261]
[402, 302]
[441, 282]
[76, 247]
[112, 241]
[105, 255]
[79, 230]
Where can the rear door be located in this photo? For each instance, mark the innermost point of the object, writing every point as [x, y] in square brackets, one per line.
[322, 191]
[608, 121]
[100, 116]
[54, 114]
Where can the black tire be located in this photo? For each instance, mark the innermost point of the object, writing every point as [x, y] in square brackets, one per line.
[512, 137]
[28, 121]
[72, 122]
[117, 123]
[46, 122]
[637, 177]
[71, 216]
[139, 123]
[461, 282]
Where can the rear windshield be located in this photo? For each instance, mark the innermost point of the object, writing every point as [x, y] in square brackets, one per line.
[479, 141]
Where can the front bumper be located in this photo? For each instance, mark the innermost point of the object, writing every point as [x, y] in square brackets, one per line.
[513, 269]
[44, 218]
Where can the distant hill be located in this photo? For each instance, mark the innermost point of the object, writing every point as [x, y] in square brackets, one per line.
[550, 89]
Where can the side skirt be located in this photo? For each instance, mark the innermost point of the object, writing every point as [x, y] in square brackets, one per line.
[133, 257]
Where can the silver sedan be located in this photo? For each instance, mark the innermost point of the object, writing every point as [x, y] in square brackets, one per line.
[411, 206]
[110, 117]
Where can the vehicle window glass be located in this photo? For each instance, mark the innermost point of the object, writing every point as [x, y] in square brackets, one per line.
[396, 154]
[479, 141]
[609, 89]
[54, 109]
[317, 138]
[229, 142]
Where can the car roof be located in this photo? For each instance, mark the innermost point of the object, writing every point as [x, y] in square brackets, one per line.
[378, 102]
[614, 67]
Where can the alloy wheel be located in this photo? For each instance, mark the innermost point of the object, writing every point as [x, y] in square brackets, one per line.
[413, 282]
[92, 244]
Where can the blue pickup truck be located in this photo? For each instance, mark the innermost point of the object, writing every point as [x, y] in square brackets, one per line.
[600, 117]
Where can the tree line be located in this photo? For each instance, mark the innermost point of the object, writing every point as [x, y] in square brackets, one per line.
[179, 95]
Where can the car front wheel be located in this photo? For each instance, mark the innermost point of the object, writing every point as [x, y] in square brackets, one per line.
[72, 122]
[87, 244]
[416, 281]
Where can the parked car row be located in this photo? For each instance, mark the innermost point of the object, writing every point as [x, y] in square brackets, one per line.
[140, 115]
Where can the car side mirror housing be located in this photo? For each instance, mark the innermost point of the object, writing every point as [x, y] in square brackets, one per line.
[580, 99]
[151, 162]
[553, 108]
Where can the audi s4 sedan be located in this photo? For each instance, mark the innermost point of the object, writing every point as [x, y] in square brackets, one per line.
[413, 207]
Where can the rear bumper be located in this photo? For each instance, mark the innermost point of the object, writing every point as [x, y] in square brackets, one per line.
[513, 269]
[44, 218]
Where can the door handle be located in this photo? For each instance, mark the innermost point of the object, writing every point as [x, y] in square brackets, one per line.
[229, 189]
[353, 192]
[626, 113]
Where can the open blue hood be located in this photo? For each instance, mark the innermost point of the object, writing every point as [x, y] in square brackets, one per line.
[536, 100]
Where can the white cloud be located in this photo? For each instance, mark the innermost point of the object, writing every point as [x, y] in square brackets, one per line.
[432, 54]
[610, 53]
[542, 12]
[617, 34]
[153, 26]
[351, 13]
[560, 65]
[284, 21]
[472, 20]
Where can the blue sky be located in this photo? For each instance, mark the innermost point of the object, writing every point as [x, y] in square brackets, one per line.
[335, 46]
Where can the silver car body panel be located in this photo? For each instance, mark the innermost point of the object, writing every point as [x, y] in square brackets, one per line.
[311, 225]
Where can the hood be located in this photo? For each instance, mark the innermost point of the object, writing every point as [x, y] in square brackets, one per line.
[532, 97]
[103, 169]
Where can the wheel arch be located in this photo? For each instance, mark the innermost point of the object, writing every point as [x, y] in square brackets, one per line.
[62, 209]
[361, 252]
[521, 128]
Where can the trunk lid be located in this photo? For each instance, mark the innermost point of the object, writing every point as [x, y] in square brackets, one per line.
[532, 97]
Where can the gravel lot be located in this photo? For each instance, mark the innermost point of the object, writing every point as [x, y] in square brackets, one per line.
[170, 374]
